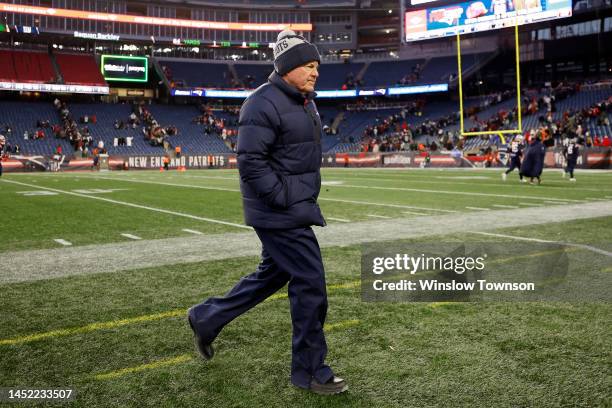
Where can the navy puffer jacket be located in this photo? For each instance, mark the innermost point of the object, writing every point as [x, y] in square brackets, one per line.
[533, 162]
[279, 157]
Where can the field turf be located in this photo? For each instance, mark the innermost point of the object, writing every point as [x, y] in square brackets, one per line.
[120, 339]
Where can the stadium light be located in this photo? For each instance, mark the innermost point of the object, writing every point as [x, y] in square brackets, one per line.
[167, 22]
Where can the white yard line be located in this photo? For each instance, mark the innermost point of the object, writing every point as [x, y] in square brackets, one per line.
[338, 200]
[130, 236]
[211, 177]
[504, 206]
[161, 183]
[378, 216]
[414, 213]
[193, 231]
[413, 179]
[583, 246]
[337, 219]
[532, 204]
[452, 169]
[557, 201]
[464, 193]
[63, 242]
[511, 236]
[31, 265]
[143, 207]
[355, 186]
[478, 208]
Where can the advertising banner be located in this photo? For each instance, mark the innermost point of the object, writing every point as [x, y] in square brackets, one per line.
[598, 158]
[124, 68]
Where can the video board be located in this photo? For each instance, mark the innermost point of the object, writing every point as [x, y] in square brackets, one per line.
[480, 15]
[418, 2]
[124, 68]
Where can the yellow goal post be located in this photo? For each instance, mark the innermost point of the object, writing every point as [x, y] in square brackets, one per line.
[501, 133]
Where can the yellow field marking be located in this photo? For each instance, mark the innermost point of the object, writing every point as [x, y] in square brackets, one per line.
[341, 325]
[92, 327]
[183, 358]
[491, 132]
[346, 285]
[132, 320]
[435, 305]
[330, 288]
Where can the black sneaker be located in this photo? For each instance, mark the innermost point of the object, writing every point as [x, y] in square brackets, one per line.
[335, 385]
[205, 350]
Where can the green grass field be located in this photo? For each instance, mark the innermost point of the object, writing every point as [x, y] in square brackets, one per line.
[120, 338]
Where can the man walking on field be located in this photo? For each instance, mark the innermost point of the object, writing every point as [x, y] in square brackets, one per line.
[279, 160]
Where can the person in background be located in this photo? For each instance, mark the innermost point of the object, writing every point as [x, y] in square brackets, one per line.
[515, 152]
[533, 162]
[571, 148]
[2, 147]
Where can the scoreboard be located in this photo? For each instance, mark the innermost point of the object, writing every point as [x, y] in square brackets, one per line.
[479, 16]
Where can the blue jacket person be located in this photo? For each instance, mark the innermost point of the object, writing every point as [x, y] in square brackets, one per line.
[533, 161]
[279, 160]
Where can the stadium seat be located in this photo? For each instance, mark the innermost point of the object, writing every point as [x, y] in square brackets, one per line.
[79, 69]
[26, 66]
[333, 76]
[22, 117]
[388, 73]
[259, 73]
[198, 74]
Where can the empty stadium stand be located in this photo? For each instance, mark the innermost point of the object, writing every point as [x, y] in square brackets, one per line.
[435, 70]
[386, 73]
[259, 73]
[79, 69]
[333, 76]
[198, 74]
[7, 68]
[26, 66]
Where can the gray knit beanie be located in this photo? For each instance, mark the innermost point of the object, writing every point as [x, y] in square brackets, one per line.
[291, 51]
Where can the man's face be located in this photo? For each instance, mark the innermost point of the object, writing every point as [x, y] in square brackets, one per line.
[304, 77]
